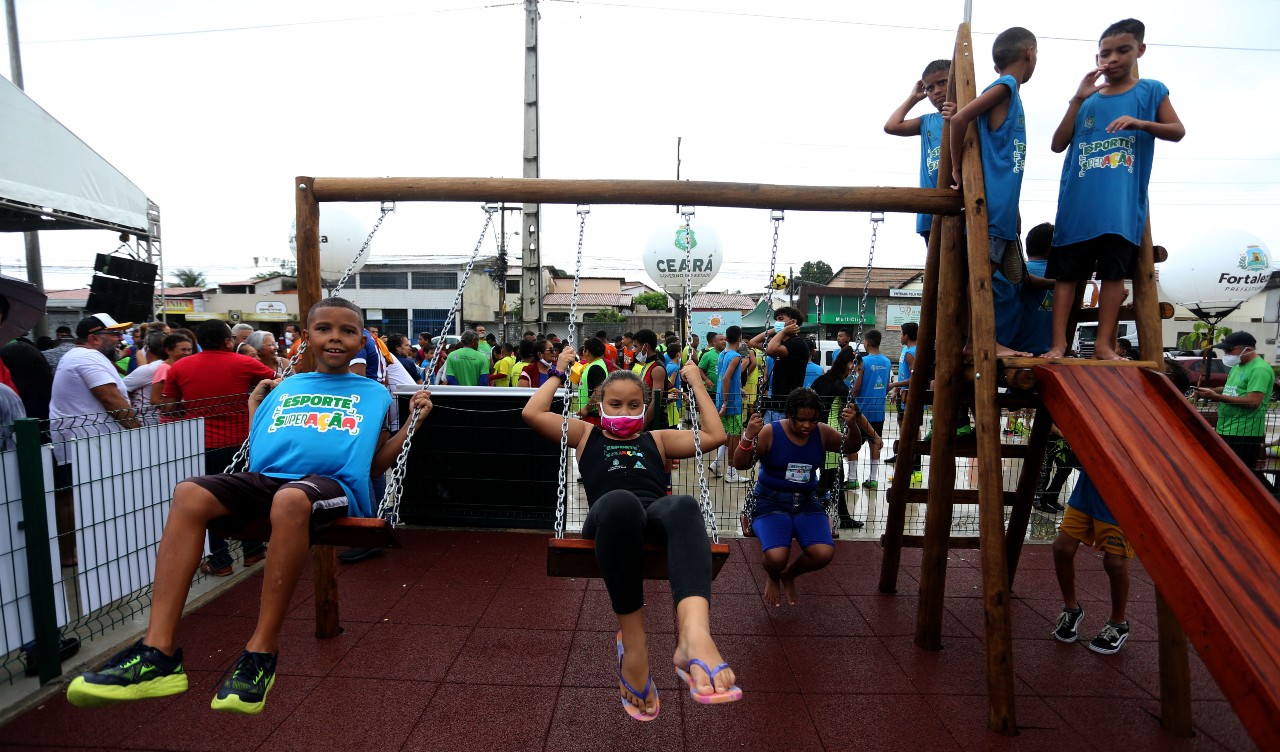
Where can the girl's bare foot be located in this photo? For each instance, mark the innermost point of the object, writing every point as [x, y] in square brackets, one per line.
[773, 592]
[1007, 352]
[635, 670]
[702, 647]
[1055, 352]
[789, 589]
[1105, 353]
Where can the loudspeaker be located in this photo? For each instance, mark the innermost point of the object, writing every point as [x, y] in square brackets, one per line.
[125, 268]
[122, 299]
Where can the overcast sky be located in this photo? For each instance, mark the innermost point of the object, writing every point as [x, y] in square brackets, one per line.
[213, 108]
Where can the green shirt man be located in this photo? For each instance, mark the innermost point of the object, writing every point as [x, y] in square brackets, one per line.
[466, 365]
[1242, 414]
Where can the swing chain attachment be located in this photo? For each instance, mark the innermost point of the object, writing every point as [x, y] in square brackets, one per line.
[562, 491]
[708, 514]
[876, 218]
[776, 216]
[387, 207]
[389, 506]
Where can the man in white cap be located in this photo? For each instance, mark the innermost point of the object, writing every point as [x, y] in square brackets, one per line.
[85, 386]
[1242, 414]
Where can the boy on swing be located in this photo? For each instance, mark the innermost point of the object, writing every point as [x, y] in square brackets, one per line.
[313, 445]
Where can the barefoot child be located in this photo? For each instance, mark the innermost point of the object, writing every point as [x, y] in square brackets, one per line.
[1002, 134]
[300, 477]
[621, 466]
[1109, 133]
[933, 85]
[791, 452]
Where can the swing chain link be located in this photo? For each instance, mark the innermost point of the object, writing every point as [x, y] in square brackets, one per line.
[704, 502]
[749, 502]
[562, 492]
[389, 506]
[387, 207]
[876, 219]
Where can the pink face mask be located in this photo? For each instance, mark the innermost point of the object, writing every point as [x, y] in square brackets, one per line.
[622, 426]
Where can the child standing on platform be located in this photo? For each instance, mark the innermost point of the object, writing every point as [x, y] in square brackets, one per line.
[1002, 134]
[932, 85]
[1109, 133]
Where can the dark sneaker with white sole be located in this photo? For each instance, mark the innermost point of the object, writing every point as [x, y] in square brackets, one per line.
[1068, 629]
[1110, 639]
[138, 672]
[245, 691]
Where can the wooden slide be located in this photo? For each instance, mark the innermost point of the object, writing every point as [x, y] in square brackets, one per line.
[1207, 531]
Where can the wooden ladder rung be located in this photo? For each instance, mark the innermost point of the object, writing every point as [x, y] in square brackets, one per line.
[958, 496]
[1017, 363]
[954, 542]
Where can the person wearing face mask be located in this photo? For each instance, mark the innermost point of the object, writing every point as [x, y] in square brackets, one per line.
[1242, 414]
[648, 365]
[621, 467]
[790, 353]
[543, 359]
[591, 378]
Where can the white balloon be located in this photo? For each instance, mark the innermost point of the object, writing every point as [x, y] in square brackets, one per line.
[666, 261]
[1215, 271]
[342, 236]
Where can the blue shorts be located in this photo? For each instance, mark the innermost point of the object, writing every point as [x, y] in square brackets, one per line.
[779, 517]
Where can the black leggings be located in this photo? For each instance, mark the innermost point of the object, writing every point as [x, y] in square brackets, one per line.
[620, 524]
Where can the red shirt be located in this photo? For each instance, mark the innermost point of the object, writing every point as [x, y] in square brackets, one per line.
[217, 384]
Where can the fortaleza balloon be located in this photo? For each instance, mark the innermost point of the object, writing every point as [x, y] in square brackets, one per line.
[341, 236]
[1215, 271]
[667, 263]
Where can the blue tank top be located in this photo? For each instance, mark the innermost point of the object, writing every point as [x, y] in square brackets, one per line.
[930, 156]
[1004, 152]
[904, 368]
[1105, 175]
[789, 467]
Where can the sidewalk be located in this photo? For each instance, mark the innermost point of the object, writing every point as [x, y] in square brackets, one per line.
[460, 642]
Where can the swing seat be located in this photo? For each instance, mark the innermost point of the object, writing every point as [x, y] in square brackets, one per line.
[576, 557]
[360, 532]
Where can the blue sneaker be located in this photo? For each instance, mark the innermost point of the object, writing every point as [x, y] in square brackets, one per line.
[245, 691]
[138, 672]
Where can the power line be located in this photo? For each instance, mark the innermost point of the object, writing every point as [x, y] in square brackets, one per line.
[221, 30]
[869, 24]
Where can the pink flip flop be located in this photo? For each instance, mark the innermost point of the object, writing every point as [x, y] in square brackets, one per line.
[632, 710]
[732, 694]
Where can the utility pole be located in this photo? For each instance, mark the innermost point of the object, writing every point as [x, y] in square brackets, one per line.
[35, 272]
[530, 235]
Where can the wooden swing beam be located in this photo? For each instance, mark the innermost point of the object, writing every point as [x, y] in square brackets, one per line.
[659, 192]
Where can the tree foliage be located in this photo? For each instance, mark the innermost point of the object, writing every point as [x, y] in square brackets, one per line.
[607, 316]
[654, 301]
[818, 272]
[187, 277]
[1198, 338]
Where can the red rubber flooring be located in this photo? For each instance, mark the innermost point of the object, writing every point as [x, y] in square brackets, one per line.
[460, 642]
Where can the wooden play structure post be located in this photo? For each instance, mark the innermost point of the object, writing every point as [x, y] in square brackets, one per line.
[324, 559]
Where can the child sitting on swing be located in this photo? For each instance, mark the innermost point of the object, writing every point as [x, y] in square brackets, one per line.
[313, 445]
[791, 452]
[622, 471]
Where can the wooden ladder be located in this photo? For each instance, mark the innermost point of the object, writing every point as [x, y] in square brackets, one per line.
[957, 302]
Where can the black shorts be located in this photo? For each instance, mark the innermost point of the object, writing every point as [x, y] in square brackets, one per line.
[249, 495]
[1109, 256]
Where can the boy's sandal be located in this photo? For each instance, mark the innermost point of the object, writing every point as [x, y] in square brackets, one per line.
[732, 694]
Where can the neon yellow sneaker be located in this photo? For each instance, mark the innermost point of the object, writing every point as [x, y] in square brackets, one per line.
[138, 672]
[917, 478]
[245, 691]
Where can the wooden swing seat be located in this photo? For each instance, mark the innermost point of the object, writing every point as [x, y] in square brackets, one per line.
[360, 532]
[576, 557]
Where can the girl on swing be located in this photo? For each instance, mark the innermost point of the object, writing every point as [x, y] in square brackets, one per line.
[791, 452]
[622, 471]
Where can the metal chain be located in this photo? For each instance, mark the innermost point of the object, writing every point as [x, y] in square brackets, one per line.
[876, 219]
[708, 514]
[387, 207]
[749, 502]
[562, 491]
[389, 507]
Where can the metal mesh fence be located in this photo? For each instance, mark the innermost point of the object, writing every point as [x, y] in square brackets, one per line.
[107, 490]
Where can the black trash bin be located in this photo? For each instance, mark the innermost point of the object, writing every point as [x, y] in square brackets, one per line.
[474, 462]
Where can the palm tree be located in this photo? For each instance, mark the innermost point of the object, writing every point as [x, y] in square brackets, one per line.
[188, 278]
